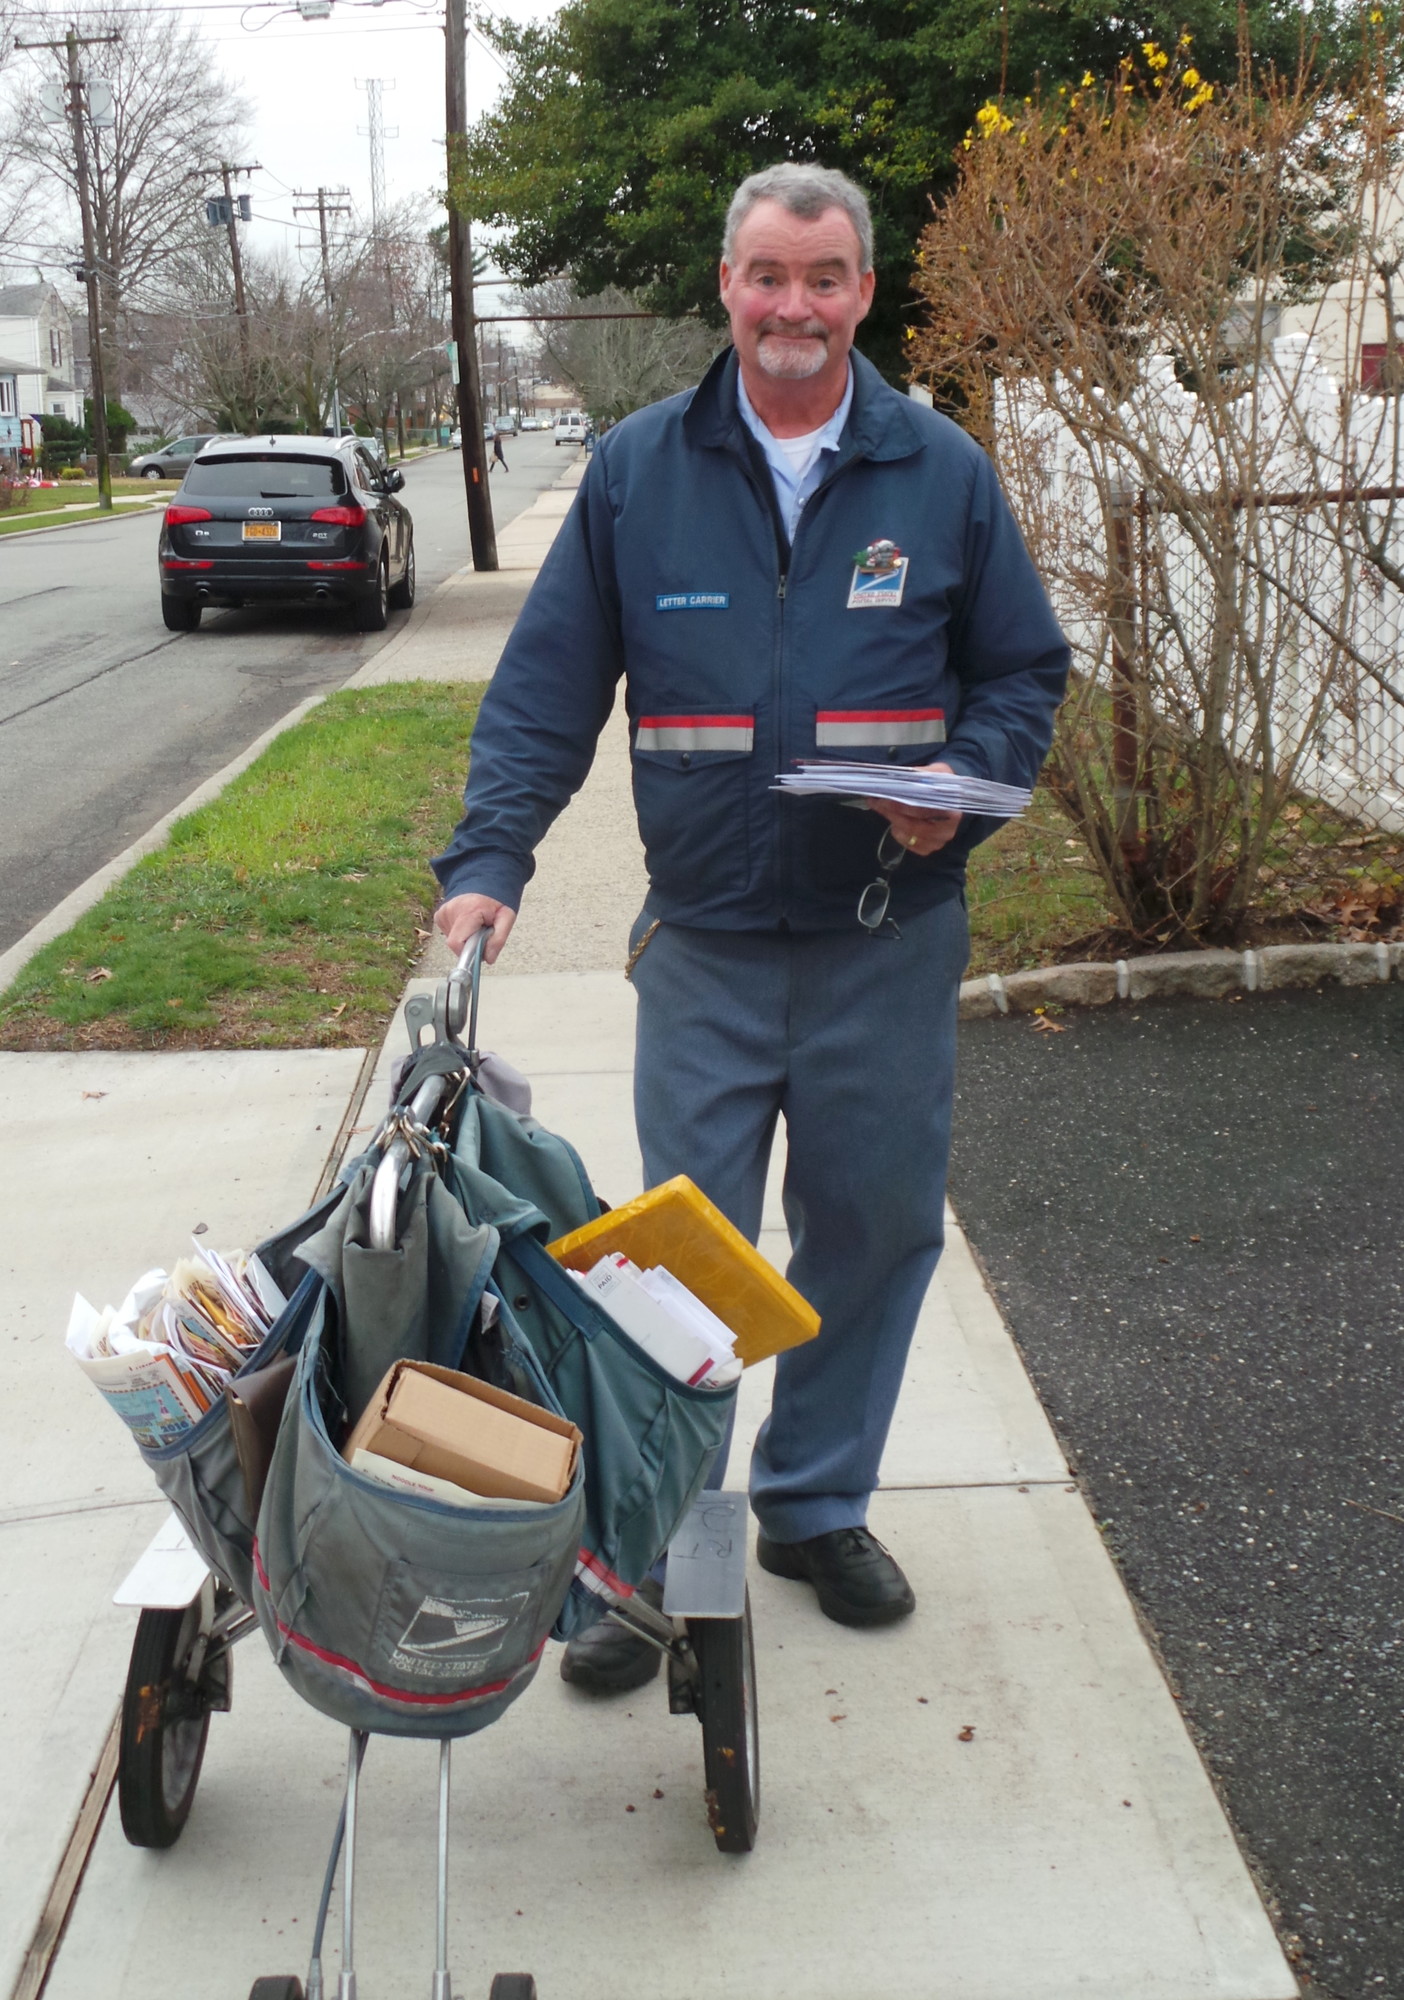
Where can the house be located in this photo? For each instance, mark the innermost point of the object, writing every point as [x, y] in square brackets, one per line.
[36, 343]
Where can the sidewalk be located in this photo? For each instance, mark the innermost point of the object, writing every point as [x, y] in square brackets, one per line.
[994, 1801]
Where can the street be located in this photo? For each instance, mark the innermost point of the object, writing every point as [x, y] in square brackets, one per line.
[107, 720]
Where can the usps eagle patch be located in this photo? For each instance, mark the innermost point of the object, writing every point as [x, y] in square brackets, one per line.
[879, 576]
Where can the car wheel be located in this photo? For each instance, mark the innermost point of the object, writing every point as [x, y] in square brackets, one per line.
[372, 614]
[181, 614]
[151, 472]
[401, 596]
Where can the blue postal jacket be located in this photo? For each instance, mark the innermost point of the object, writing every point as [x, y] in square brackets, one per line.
[741, 653]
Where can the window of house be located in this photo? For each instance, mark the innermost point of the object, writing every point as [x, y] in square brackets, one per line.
[55, 348]
[7, 396]
[56, 410]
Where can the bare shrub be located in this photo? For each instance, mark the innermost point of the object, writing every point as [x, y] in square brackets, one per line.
[1102, 290]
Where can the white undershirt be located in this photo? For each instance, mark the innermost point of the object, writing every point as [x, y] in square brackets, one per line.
[800, 452]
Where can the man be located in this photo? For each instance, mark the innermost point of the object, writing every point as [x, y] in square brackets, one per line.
[791, 561]
[499, 456]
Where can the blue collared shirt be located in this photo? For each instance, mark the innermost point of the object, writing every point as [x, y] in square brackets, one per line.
[792, 488]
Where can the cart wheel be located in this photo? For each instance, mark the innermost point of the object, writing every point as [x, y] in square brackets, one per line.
[165, 1720]
[513, 1986]
[726, 1671]
[278, 1986]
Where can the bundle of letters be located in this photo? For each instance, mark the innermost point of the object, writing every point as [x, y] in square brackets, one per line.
[665, 1319]
[163, 1356]
[931, 791]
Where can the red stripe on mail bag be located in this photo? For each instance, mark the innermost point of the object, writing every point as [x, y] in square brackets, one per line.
[599, 1577]
[877, 728]
[695, 732]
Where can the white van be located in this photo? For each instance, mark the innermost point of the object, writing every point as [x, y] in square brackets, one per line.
[570, 427]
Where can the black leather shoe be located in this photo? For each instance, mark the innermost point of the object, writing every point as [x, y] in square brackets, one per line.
[606, 1659]
[855, 1579]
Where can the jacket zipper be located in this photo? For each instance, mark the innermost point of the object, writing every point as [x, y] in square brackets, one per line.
[784, 557]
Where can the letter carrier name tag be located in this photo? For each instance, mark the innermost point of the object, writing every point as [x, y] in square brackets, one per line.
[693, 600]
[872, 588]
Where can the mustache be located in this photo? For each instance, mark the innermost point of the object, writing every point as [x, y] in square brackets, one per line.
[813, 329]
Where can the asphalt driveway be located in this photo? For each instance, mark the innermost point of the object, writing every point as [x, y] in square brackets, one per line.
[1192, 1214]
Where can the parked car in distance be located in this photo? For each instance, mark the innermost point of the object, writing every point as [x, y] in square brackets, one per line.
[570, 427]
[307, 520]
[173, 460]
[456, 438]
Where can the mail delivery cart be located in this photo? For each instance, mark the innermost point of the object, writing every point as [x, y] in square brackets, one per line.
[210, 1575]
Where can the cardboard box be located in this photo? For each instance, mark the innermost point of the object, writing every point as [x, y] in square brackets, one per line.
[676, 1226]
[454, 1427]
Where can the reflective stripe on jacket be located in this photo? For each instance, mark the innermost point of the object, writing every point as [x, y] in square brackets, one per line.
[741, 654]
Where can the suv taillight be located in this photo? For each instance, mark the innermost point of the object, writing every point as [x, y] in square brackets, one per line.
[177, 516]
[341, 517]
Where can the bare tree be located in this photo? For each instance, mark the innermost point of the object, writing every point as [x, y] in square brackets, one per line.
[17, 174]
[1102, 291]
[172, 114]
[379, 338]
[618, 365]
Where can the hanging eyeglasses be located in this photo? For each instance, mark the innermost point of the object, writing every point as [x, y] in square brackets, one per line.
[872, 904]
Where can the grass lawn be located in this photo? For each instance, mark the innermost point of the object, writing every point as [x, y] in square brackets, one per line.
[42, 507]
[289, 912]
[285, 914]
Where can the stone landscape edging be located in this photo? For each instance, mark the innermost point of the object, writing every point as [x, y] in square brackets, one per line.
[1203, 975]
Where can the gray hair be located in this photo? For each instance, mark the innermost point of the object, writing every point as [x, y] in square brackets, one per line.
[807, 192]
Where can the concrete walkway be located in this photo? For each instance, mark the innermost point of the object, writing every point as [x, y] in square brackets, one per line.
[994, 1801]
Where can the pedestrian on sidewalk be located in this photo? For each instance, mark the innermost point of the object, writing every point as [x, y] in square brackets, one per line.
[792, 559]
[499, 456]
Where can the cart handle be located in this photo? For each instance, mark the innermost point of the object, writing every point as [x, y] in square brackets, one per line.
[462, 1005]
[458, 1005]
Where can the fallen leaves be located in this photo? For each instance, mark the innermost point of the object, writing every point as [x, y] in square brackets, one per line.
[97, 975]
[967, 1734]
[1044, 1024]
[94, 1093]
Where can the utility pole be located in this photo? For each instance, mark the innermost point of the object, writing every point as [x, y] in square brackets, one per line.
[71, 44]
[460, 259]
[329, 201]
[226, 170]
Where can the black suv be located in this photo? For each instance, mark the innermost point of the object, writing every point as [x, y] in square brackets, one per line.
[299, 519]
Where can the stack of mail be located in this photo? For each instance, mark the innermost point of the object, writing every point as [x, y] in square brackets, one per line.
[162, 1357]
[662, 1316]
[905, 785]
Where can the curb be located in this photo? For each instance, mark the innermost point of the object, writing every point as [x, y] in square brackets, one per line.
[1201, 975]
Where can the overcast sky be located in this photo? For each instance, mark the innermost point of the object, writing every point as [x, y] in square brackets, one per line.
[300, 79]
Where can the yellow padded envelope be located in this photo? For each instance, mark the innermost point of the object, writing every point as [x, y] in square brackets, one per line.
[676, 1226]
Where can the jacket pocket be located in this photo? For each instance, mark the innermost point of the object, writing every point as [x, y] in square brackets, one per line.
[692, 785]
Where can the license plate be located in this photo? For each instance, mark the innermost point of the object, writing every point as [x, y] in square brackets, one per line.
[263, 531]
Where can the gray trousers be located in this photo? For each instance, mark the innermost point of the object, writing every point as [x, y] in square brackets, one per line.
[851, 1040]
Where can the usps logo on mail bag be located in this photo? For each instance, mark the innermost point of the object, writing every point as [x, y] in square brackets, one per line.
[879, 576]
[446, 1633]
